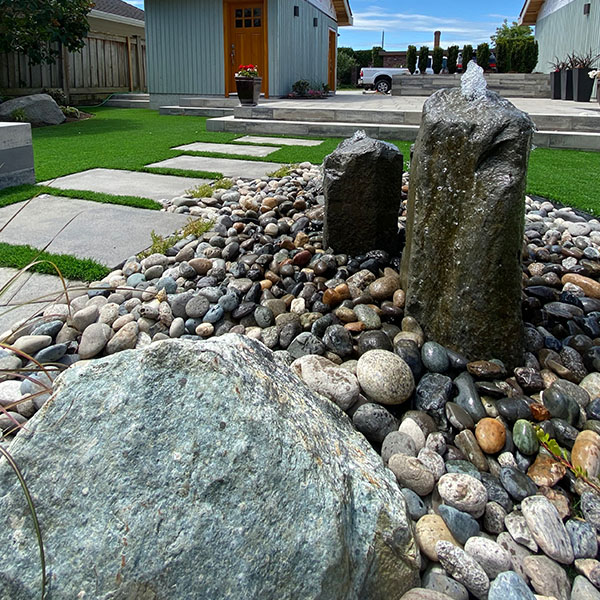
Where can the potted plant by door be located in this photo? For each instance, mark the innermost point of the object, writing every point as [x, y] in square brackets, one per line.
[557, 67]
[582, 84]
[247, 83]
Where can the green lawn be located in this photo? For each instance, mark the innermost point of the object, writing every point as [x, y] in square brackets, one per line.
[131, 138]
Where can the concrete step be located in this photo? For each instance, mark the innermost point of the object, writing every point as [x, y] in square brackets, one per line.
[327, 115]
[575, 140]
[312, 128]
[590, 123]
[122, 103]
[571, 140]
[131, 96]
[210, 101]
[195, 111]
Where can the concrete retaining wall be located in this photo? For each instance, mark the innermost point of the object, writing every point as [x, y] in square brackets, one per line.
[516, 85]
[16, 155]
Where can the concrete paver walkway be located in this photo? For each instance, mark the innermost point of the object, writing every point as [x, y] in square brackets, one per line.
[228, 166]
[228, 149]
[127, 183]
[108, 233]
[36, 289]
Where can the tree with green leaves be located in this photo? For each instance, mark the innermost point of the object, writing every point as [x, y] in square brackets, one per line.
[411, 59]
[467, 55]
[483, 56]
[511, 32]
[423, 58]
[452, 58]
[438, 59]
[377, 59]
[345, 62]
[40, 28]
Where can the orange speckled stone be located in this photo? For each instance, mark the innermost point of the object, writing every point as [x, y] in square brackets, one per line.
[491, 435]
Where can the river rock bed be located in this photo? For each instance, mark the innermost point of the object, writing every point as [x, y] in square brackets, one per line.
[495, 514]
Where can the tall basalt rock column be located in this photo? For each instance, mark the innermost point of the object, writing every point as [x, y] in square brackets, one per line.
[461, 267]
[362, 183]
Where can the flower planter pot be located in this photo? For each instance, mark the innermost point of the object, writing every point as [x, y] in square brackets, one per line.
[566, 84]
[582, 85]
[248, 90]
[555, 85]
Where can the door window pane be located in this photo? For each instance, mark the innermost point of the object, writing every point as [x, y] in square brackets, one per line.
[257, 12]
[238, 23]
[256, 22]
[247, 12]
[247, 22]
[238, 13]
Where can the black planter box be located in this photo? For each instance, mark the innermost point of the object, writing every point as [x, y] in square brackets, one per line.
[566, 84]
[248, 89]
[555, 85]
[582, 85]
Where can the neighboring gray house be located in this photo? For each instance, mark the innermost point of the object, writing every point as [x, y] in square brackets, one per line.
[562, 27]
[196, 46]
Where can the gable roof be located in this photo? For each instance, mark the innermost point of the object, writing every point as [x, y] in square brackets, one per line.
[530, 11]
[343, 12]
[119, 8]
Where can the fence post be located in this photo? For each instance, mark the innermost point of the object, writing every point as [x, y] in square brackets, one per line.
[140, 63]
[129, 65]
[66, 73]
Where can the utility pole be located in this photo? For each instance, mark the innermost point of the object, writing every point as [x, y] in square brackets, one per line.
[382, 37]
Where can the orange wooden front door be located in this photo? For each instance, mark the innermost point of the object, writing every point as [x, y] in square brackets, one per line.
[245, 39]
[331, 60]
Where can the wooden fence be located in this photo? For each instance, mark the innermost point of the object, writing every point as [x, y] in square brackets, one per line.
[107, 64]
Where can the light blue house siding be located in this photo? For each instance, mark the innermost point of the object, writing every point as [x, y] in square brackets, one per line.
[562, 28]
[300, 53]
[185, 41]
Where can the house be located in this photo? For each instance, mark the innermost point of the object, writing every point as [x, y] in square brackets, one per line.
[196, 46]
[112, 60]
[562, 27]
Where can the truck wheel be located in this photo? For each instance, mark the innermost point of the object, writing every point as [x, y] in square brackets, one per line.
[383, 86]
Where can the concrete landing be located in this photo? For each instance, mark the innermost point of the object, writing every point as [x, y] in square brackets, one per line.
[256, 139]
[228, 149]
[108, 233]
[229, 167]
[127, 183]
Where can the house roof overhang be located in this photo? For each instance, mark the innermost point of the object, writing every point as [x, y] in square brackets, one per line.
[530, 11]
[99, 14]
[343, 12]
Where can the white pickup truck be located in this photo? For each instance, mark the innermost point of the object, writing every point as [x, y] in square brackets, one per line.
[380, 78]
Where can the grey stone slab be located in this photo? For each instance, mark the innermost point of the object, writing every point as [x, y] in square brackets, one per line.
[17, 178]
[127, 183]
[228, 149]
[16, 159]
[13, 135]
[105, 232]
[257, 139]
[228, 166]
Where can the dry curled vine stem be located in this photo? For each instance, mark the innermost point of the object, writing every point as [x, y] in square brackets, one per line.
[561, 455]
[36, 525]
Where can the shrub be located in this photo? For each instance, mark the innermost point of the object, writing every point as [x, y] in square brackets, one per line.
[363, 57]
[530, 55]
[70, 112]
[19, 115]
[376, 60]
[345, 63]
[452, 58]
[57, 94]
[438, 59]
[423, 58]
[503, 56]
[467, 55]
[300, 87]
[483, 56]
[411, 59]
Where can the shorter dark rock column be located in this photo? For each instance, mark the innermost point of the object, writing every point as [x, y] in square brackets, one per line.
[362, 183]
[461, 267]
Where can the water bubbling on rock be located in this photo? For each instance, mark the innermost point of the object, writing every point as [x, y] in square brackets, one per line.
[473, 84]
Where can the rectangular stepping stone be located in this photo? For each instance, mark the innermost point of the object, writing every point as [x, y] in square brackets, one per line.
[108, 233]
[127, 183]
[228, 166]
[228, 149]
[256, 139]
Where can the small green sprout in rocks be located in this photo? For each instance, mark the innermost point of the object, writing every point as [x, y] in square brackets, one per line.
[200, 191]
[283, 171]
[223, 184]
[161, 244]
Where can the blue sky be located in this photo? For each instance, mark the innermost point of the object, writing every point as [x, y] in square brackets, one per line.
[404, 23]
